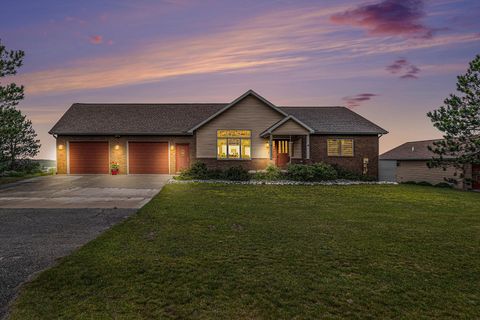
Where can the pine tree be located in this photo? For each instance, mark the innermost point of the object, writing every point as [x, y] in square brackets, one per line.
[459, 120]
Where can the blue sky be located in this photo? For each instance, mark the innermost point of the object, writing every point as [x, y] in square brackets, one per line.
[391, 61]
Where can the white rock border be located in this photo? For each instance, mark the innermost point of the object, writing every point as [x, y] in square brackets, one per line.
[339, 182]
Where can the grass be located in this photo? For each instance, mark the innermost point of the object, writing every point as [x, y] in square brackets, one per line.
[206, 251]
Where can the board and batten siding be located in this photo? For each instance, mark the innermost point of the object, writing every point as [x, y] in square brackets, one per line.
[248, 114]
[418, 171]
[290, 127]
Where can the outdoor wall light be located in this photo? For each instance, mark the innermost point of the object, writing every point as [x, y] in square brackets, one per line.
[117, 147]
[172, 147]
[60, 147]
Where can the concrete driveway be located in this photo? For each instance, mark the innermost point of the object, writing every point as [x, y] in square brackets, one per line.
[46, 218]
[92, 191]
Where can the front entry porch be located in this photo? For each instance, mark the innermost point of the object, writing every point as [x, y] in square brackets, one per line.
[288, 140]
[285, 150]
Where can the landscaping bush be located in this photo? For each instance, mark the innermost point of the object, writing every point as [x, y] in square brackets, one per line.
[270, 173]
[444, 185]
[200, 171]
[343, 173]
[409, 182]
[237, 173]
[323, 171]
[300, 172]
[316, 172]
[425, 183]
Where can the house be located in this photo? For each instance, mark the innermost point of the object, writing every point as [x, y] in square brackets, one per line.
[408, 162]
[250, 131]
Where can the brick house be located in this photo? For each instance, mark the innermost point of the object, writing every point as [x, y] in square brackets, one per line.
[250, 131]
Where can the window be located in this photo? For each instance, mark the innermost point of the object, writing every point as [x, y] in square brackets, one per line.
[340, 147]
[234, 144]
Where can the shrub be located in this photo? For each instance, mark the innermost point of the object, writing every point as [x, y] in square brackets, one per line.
[424, 183]
[409, 182]
[323, 171]
[271, 173]
[316, 172]
[300, 172]
[444, 185]
[200, 171]
[237, 173]
[343, 173]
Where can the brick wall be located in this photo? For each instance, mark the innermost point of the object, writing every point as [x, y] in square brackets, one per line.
[364, 147]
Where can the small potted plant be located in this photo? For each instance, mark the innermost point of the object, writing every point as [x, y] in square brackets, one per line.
[114, 168]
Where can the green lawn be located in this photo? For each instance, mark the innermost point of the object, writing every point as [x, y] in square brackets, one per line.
[206, 251]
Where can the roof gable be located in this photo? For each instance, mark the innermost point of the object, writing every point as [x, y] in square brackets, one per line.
[285, 121]
[233, 103]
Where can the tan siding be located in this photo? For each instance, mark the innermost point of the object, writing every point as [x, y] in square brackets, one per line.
[297, 149]
[249, 114]
[290, 128]
[418, 171]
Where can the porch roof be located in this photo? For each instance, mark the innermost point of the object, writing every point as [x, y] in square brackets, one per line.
[288, 126]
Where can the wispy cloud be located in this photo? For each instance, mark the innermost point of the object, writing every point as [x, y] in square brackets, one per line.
[388, 17]
[276, 41]
[404, 68]
[95, 39]
[358, 99]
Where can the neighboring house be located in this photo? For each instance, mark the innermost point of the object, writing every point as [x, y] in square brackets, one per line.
[250, 131]
[408, 162]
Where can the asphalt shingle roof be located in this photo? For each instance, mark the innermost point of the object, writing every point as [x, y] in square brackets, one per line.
[336, 120]
[413, 150]
[166, 119]
[141, 119]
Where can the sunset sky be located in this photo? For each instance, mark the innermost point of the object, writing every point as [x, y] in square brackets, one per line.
[390, 61]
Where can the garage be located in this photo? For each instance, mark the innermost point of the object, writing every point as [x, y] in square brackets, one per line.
[148, 157]
[88, 157]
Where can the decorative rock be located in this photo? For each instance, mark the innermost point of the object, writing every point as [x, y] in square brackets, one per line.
[339, 182]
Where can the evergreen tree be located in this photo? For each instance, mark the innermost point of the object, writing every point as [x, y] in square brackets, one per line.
[459, 120]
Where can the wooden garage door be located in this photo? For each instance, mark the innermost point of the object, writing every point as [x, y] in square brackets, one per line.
[88, 157]
[147, 157]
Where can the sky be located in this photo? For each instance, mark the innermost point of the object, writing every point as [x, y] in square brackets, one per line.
[391, 61]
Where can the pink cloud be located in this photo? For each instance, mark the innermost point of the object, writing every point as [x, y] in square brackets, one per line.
[357, 100]
[404, 67]
[96, 39]
[388, 17]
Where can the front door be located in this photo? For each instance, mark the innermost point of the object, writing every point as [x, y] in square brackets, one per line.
[476, 176]
[282, 158]
[182, 157]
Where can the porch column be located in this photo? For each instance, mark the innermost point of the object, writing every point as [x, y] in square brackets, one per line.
[290, 146]
[270, 147]
[307, 147]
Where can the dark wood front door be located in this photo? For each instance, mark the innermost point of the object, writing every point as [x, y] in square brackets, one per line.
[476, 176]
[147, 157]
[182, 157]
[282, 154]
[88, 157]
